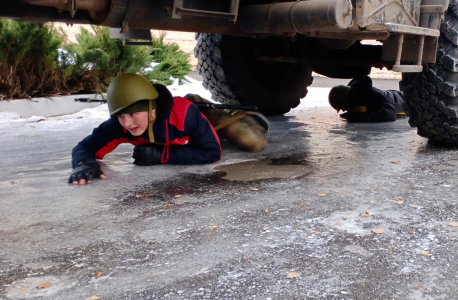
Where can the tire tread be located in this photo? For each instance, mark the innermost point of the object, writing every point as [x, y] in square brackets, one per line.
[426, 94]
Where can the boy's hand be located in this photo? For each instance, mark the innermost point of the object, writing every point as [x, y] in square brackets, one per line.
[85, 172]
[147, 155]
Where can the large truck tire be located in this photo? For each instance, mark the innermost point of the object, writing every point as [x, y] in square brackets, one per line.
[232, 73]
[431, 96]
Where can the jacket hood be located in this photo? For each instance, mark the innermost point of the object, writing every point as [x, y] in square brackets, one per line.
[164, 103]
[361, 83]
[361, 91]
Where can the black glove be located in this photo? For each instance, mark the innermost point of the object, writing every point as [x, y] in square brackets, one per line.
[147, 155]
[355, 116]
[85, 170]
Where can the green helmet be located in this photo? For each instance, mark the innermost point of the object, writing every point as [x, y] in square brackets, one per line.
[338, 96]
[125, 93]
[130, 93]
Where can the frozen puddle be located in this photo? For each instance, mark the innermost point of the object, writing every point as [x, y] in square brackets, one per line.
[264, 169]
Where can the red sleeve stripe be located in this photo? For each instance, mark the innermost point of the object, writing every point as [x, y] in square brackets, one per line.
[115, 143]
[182, 141]
[178, 115]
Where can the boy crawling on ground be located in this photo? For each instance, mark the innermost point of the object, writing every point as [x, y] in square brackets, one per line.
[149, 118]
[163, 129]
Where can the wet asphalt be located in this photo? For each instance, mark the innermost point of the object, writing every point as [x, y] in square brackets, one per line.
[298, 220]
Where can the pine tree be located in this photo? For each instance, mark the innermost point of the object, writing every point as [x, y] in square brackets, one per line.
[29, 60]
[33, 64]
[96, 59]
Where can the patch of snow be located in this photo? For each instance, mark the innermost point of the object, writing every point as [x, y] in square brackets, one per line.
[63, 55]
[189, 86]
[316, 97]
[7, 116]
[149, 69]
[350, 221]
[28, 288]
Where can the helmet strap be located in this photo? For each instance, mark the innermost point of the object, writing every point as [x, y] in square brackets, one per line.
[150, 122]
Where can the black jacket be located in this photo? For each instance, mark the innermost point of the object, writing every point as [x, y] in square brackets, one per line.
[381, 106]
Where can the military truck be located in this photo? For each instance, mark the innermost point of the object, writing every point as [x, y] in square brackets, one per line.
[262, 52]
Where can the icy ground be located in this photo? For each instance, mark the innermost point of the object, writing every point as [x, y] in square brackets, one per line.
[329, 210]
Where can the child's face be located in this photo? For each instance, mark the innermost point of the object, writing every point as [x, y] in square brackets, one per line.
[136, 123]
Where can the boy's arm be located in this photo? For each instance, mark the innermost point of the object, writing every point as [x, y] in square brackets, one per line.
[102, 141]
[204, 144]
[385, 114]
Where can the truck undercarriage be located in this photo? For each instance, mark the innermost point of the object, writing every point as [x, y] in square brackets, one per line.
[408, 29]
[263, 52]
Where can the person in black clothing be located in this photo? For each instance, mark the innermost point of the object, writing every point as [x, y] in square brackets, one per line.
[361, 102]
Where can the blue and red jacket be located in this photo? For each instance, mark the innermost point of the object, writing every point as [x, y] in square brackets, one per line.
[187, 135]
